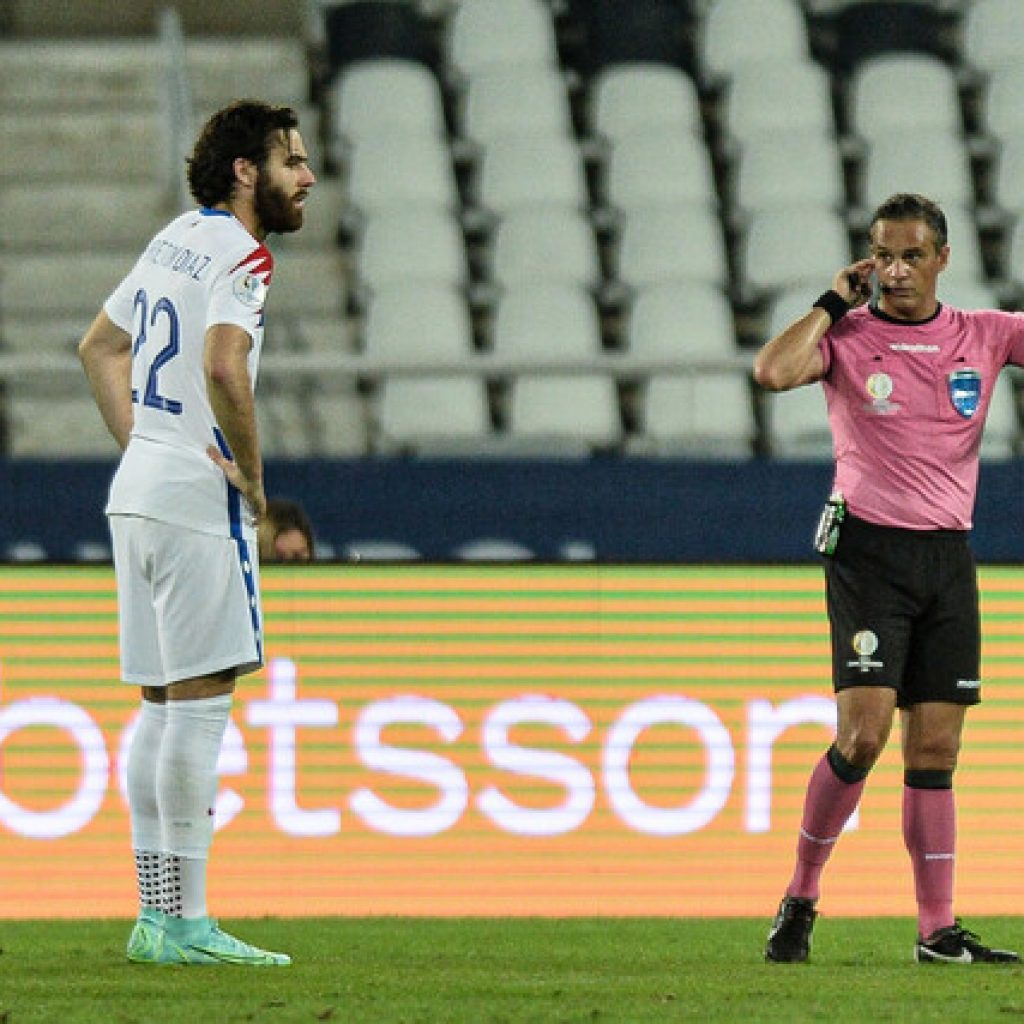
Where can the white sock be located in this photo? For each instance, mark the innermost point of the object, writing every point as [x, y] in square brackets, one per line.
[142, 803]
[186, 787]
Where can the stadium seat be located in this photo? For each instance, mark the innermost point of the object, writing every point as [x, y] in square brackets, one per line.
[766, 97]
[545, 244]
[118, 217]
[1008, 176]
[338, 424]
[308, 281]
[991, 34]
[60, 284]
[488, 549]
[1001, 438]
[329, 333]
[401, 169]
[698, 415]
[785, 246]
[966, 259]
[432, 415]
[649, 167]
[566, 415]
[48, 74]
[63, 146]
[45, 334]
[671, 242]
[1002, 107]
[44, 423]
[380, 551]
[798, 424]
[790, 304]
[788, 167]
[416, 321]
[485, 33]
[894, 164]
[530, 170]
[1014, 260]
[282, 415]
[626, 98]
[965, 294]
[732, 33]
[684, 322]
[325, 207]
[224, 68]
[419, 243]
[541, 323]
[893, 92]
[383, 97]
[515, 100]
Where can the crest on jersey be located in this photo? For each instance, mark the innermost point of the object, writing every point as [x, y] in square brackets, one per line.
[965, 391]
[880, 387]
[250, 290]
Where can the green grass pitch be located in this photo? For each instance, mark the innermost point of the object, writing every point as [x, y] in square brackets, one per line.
[396, 970]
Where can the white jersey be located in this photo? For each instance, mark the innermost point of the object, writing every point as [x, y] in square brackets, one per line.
[203, 269]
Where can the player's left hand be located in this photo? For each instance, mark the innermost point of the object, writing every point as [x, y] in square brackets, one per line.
[251, 490]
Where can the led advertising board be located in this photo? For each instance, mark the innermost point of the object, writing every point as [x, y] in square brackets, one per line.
[493, 740]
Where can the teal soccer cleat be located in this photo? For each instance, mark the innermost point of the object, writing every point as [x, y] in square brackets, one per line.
[200, 941]
[146, 942]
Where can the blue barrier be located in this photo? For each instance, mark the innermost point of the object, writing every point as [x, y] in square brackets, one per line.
[614, 510]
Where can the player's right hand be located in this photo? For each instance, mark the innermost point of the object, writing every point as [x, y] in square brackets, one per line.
[853, 283]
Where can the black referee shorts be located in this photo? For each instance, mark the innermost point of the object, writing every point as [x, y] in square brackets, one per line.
[903, 610]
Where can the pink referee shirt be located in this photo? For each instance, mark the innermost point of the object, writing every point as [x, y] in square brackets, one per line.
[905, 455]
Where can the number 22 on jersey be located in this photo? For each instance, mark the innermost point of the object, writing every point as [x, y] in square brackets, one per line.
[163, 315]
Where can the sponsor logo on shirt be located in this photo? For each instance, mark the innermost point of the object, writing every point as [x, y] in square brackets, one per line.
[902, 346]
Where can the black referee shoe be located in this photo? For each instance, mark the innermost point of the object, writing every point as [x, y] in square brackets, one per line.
[789, 941]
[956, 945]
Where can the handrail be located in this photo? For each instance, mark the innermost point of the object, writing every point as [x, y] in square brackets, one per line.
[300, 365]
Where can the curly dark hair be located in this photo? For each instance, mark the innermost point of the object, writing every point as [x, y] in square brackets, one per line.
[284, 514]
[913, 206]
[241, 129]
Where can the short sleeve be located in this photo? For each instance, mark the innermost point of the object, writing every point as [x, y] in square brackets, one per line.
[120, 304]
[238, 296]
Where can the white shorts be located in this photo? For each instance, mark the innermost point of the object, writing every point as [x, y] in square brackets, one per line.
[188, 602]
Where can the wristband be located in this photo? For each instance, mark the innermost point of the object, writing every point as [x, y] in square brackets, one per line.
[834, 304]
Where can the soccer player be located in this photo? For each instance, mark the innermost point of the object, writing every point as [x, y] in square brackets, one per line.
[171, 360]
[908, 383]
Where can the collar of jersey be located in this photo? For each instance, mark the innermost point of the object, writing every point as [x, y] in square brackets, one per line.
[875, 311]
[209, 211]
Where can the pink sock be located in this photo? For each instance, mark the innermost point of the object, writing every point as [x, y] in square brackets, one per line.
[827, 806]
[929, 830]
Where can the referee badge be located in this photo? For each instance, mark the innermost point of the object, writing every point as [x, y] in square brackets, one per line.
[965, 391]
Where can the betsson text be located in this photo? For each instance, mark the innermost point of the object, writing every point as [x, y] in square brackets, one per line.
[282, 713]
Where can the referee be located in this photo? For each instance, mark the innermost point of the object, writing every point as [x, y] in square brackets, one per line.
[908, 383]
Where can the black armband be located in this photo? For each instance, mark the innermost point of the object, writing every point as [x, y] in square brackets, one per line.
[834, 304]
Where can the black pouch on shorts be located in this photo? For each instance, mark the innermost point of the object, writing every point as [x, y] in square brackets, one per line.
[826, 536]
